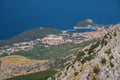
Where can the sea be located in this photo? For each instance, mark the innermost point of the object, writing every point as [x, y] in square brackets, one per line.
[17, 16]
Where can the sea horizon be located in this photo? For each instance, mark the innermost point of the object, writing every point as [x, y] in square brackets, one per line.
[19, 16]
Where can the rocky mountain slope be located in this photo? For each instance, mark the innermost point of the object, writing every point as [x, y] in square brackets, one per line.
[99, 61]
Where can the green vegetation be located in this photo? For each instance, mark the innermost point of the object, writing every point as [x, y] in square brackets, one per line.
[103, 42]
[53, 52]
[96, 69]
[90, 50]
[110, 36]
[0, 63]
[93, 46]
[93, 78]
[106, 36]
[80, 55]
[78, 37]
[83, 24]
[108, 51]
[111, 57]
[5, 54]
[107, 76]
[88, 58]
[30, 35]
[59, 62]
[111, 64]
[115, 34]
[35, 76]
[76, 73]
[103, 60]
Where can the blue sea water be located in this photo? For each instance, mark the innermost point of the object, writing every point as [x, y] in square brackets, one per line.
[17, 16]
[80, 30]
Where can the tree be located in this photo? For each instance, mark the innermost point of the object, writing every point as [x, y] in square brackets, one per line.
[0, 63]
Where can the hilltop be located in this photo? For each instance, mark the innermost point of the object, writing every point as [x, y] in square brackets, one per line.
[84, 23]
[30, 35]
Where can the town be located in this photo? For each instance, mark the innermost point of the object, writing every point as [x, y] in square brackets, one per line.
[53, 39]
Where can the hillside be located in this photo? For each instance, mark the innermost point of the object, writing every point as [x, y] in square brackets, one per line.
[18, 65]
[37, 59]
[55, 59]
[99, 61]
[30, 35]
[41, 52]
[43, 75]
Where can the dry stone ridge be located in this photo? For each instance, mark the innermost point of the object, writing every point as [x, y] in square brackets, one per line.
[101, 61]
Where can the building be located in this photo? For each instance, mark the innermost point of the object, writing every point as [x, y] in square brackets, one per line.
[53, 40]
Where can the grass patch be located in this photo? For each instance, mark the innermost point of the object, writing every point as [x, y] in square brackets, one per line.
[19, 60]
[35, 76]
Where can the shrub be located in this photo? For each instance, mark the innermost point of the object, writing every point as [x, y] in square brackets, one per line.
[76, 73]
[79, 55]
[114, 34]
[103, 42]
[88, 58]
[65, 73]
[108, 51]
[93, 78]
[107, 76]
[0, 63]
[93, 46]
[96, 69]
[111, 57]
[111, 64]
[110, 37]
[106, 36]
[86, 49]
[103, 60]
